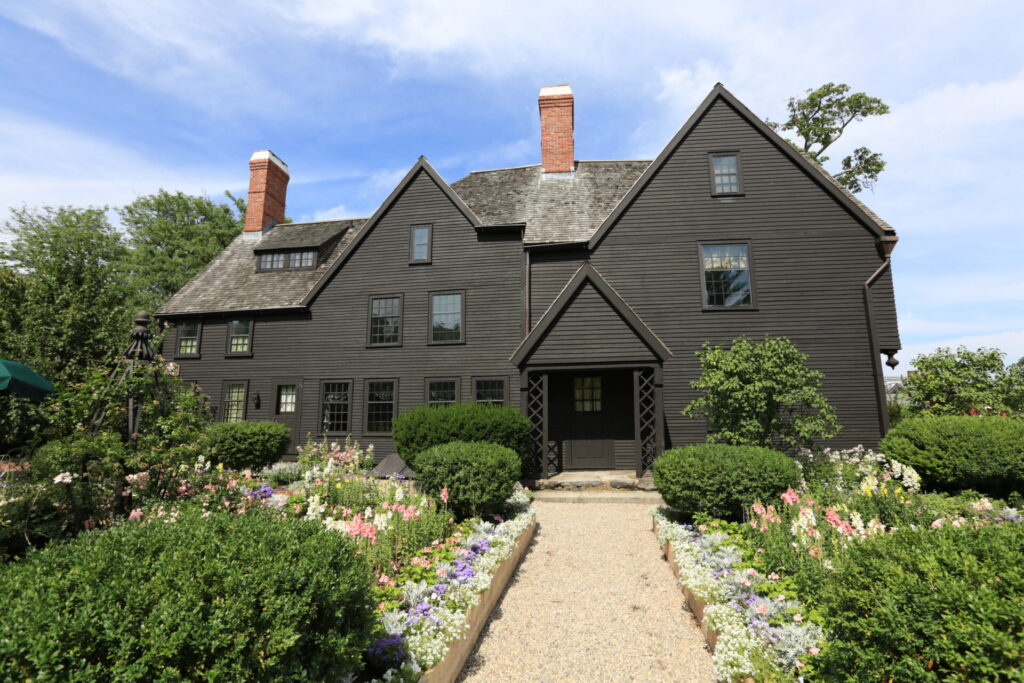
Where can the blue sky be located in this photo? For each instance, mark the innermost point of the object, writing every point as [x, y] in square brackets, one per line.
[104, 101]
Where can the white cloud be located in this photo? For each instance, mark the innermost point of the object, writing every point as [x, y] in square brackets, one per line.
[332, 213]
[49, 164]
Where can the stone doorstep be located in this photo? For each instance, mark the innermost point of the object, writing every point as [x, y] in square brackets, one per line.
[598, 479]
[599, 495]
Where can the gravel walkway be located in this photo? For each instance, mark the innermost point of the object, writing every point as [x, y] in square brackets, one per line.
[592, 601]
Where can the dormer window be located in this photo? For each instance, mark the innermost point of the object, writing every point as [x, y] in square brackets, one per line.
[287, 260]
[273, 261]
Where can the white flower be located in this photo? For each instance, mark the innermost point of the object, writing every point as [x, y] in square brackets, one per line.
[63, 478]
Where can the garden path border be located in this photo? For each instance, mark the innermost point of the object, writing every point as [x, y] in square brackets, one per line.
[449, 668]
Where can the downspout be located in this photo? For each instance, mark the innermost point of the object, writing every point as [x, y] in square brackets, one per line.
[885, 246]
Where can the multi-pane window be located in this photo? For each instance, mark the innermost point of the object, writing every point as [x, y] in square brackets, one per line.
[188, 339]
[303, 259]
[587, 394]
[446, 317]
[240, 336]
[489, 390]
[286, 398]
[385, 320]
[234, 402]
[419, 243]
[380, 405]
[272, 261]
[441, 392]
[725, 173]
[726, 270]
[335, 398]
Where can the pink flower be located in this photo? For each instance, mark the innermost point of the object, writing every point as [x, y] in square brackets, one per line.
[760, 550]
[937, 524]
[845, 528]
[227, 503]
[744, 582]
[798, 664]
[751, 572]
[762, 609]
[444, 495]
[232, 483]
[135, 515]
[790, 497]
[773, 576]
[758, 509]
[814, 650]
[798, 618]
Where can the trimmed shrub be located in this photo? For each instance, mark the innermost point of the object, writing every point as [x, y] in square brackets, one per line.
[954, 453]
[479, 476]
[242, 445]
[926, 605]
[721, 480]
[225, 597]
[425, 427]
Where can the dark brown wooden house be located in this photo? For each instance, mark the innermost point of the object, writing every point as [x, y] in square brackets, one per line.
[576, 290]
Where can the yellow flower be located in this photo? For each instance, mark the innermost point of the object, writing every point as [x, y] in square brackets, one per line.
[338, 485]
[220, 467]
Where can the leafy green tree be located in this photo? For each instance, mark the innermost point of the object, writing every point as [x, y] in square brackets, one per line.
[66, 301]
[965, 382]
[821, 118]
[761, 394]
[172, 237]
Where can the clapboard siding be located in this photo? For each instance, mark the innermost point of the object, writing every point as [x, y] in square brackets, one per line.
[810, 257]
[549, 273]
[590, 331]
[330, 341]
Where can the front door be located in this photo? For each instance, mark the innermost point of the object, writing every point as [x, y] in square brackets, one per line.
[591, 411]
[286, 408]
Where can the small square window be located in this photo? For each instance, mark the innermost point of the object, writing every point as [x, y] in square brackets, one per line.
[725, 174]
[380, 405]
[240, 337]
[441, 392]
[587, 394]
[385, 321]
[419, 244]
[489, 390]
[335, 399]
[188, 338]
[446, 313]
[726, 273]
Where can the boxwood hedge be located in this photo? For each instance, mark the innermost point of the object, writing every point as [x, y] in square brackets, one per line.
[953, 453]
[242, 445]
[223, 597]
[721, 480]
[419, 429]
[479, 476]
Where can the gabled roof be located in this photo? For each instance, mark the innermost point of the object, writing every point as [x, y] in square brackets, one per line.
[588, 274]
[555, 207]
[230, 283]
[853, 205]
[421, 165]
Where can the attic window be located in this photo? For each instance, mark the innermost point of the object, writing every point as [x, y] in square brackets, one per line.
[273, 261]
[290, 260]
[725, 174]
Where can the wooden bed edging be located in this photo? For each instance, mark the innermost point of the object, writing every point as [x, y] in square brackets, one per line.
[696, 605]
[449, 668]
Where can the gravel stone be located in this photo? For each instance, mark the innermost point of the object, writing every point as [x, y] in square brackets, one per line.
[593, 600]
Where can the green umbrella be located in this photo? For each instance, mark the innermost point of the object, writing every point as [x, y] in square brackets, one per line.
[24, 381]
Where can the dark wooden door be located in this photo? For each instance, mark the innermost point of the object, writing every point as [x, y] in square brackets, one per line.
[588, 414]
[286, 408]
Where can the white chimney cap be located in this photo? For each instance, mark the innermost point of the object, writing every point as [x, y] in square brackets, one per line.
[267, 154]
[553, 90]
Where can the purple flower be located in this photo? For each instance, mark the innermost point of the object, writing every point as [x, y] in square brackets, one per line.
[261, 493]
[389, 651]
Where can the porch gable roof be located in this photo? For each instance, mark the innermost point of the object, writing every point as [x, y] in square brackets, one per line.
[588, 274]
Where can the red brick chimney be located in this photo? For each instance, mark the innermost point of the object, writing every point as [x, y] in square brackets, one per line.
[556, 120]
[268, 184]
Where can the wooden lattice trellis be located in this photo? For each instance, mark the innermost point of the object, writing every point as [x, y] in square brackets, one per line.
[647, 410]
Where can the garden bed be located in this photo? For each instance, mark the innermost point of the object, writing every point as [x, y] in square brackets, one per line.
[458, 652]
